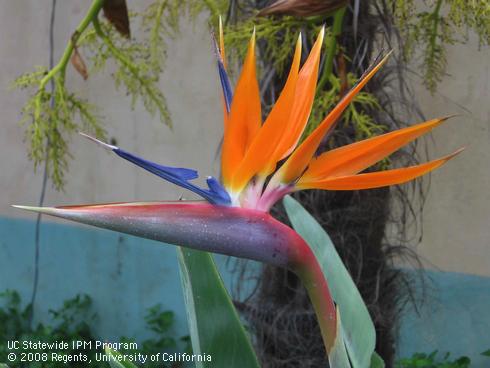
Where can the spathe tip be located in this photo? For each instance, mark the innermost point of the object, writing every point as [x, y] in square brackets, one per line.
[28, 208]
[99, 142]
[46, 210]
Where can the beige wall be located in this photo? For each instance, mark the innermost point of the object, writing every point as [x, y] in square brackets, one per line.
[457, 213]
[190, 84]
[456, 217]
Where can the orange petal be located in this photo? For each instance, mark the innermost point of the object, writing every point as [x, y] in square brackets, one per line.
[299, 160]
[354, 158]
[305, 93]
[244, 119]
[259, 157]
[377, 179]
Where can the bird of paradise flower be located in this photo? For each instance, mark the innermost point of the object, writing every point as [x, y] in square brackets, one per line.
[234, 219]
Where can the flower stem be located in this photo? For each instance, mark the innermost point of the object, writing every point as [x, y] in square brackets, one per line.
[60, 67]
[308, 269]
[92, 13]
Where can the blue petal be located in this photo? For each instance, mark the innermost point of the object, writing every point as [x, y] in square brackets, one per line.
[165, 172]
[225, 84]
[180, 176]
[215, 186]
[223, 77]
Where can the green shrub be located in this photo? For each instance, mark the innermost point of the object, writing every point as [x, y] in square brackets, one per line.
[74, 322]
[422, 360]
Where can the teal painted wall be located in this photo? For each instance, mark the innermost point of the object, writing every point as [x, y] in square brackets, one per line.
[455, 318]
[125, 275]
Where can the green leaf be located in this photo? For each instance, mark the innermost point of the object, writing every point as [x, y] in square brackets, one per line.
[377, 361]
[214, 324]
[115, 359]
[486, 353]
[357, 326]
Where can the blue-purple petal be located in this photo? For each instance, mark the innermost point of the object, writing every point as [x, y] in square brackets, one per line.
[215, 186]
[165, 172]
[223, 77]
[180, 176]
[225, 84]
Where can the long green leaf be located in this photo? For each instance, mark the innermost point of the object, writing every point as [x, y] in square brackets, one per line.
[214, 324]
[357, 327]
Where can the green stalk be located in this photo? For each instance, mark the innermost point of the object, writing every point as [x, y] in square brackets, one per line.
[435, 15]
[114, 50]
[432, 72]
[92, 14]
[338, 18]
[154, 31]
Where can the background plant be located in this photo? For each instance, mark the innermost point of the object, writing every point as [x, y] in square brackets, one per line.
[74, 321]
[51, 116]
[428, 29]
[432, 360]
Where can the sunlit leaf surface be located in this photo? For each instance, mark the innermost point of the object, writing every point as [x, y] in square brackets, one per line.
[214, 324]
